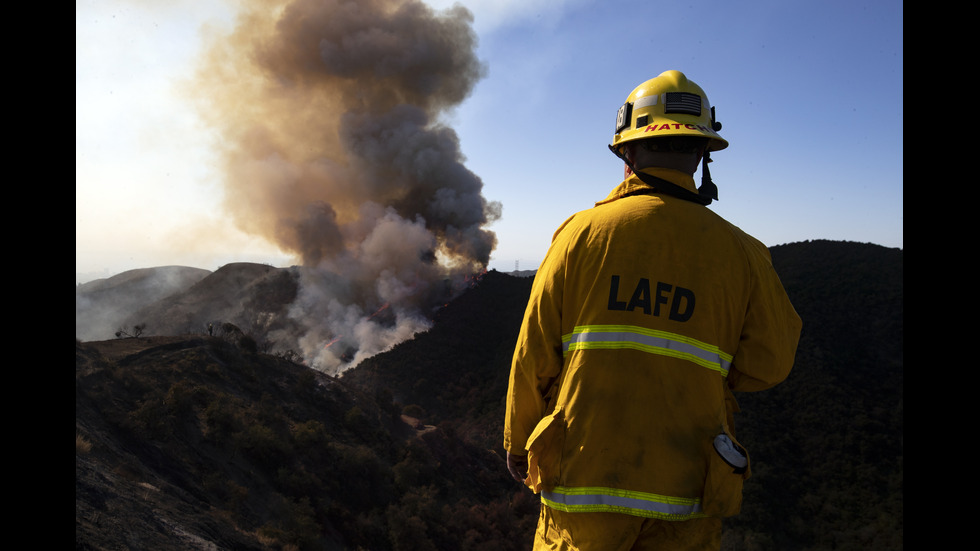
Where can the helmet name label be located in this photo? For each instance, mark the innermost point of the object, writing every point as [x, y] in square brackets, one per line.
[677, 126]
[681, 299]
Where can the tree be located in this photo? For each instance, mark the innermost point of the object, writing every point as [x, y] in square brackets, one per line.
[137, 331]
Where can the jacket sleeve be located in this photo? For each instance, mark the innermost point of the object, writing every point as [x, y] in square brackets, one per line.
[771, 327]
[537, 360]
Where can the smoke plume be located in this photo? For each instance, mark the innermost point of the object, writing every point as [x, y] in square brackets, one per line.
[330, 124]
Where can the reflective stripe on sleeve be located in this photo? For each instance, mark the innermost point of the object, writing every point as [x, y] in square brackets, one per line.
[612, 500]
[609, 337]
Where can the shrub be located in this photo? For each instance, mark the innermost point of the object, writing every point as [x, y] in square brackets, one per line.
[82, 445]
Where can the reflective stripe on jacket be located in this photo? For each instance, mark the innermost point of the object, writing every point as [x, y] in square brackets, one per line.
[587, 500]
[647, 311]
[647, 340]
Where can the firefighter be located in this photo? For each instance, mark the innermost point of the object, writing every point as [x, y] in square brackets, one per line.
[647, 312]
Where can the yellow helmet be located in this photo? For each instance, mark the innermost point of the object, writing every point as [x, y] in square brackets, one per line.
[668, 105]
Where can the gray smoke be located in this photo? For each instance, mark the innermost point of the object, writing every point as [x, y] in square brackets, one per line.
[329, 117]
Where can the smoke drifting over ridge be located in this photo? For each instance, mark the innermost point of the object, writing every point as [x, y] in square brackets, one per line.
[327, 114]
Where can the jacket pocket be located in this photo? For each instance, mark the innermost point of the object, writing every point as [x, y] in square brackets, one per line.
[727, 470]
[544, 452]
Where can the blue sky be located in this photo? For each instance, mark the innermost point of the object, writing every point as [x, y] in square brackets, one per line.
[810, 94]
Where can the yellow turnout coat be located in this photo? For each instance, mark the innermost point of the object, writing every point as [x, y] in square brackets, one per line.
[646, 313]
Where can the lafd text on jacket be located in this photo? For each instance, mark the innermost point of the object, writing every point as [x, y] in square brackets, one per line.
[650, 299]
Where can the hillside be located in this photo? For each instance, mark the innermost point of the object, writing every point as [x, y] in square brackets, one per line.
[101, 306]
[456, 372]
[196, 442]
[201, 443]
[247, 295]
[827, 444]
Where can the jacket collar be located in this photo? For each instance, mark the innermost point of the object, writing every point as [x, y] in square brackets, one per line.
[633, 184]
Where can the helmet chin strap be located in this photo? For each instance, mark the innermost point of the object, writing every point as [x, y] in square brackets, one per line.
[706, 193]
[708, 188]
